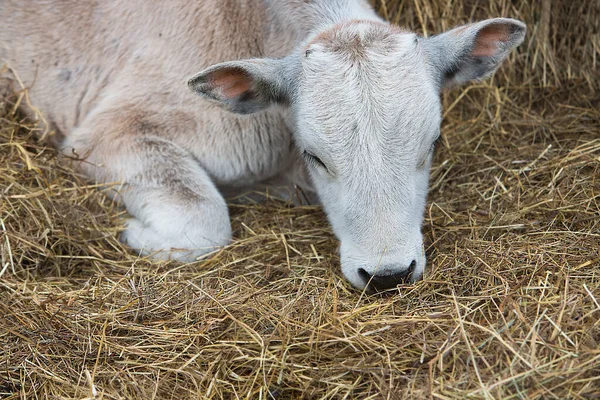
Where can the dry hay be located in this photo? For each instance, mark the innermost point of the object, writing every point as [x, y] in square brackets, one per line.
[509, 307]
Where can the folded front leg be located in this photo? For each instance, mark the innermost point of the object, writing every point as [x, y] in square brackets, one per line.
[177, 218]
[177, 212]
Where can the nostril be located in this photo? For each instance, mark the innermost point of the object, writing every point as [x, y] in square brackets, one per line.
[364, 275]
[386, 281]
[412, 266]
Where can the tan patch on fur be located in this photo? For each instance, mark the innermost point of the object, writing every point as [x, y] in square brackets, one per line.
[323, 37]
[341, 38]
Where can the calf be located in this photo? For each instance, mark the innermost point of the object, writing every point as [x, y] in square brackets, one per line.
[319, 92]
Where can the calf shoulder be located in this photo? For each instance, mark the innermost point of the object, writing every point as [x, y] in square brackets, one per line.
[79, 57]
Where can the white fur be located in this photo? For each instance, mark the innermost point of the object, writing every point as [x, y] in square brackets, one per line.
[373, 126]
[359, 94]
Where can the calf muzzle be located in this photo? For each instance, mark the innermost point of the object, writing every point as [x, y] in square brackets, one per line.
[387, 279]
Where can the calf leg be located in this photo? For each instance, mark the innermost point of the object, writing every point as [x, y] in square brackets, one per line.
[177, 212]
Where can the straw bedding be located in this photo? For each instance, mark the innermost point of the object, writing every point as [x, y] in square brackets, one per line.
[509, 307]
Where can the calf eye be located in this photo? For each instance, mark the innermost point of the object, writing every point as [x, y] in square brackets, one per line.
[431, 149]
[314, 160]
[429, 153]
[435, 142]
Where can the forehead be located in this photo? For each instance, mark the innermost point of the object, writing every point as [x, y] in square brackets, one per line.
[365, 72]
[352, 38]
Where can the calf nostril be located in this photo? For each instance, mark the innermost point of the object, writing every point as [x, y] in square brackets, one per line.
[364, 275]
[383, 282]
[412, 266]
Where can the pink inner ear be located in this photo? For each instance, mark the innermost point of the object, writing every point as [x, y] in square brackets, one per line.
[486, 43]
[233, 82]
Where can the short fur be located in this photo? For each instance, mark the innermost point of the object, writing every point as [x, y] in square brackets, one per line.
[323, 80]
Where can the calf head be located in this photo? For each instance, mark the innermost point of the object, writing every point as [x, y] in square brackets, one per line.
[366, 101]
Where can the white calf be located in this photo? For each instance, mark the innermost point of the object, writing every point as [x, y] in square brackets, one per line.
[356, 106]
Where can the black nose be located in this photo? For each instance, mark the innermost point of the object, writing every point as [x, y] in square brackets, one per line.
[386, 281]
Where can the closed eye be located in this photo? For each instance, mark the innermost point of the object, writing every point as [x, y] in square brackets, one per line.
[429, 152]
[315, 161]
[434, 144]
[436, 141]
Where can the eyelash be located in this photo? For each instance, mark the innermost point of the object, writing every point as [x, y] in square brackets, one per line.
[311, 158]
[430, 152]
[435, 143]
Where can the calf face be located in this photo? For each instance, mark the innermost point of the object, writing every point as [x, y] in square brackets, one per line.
[365, 97]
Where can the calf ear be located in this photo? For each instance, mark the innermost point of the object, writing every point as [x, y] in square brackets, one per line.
[475, 51]
[245, 86]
